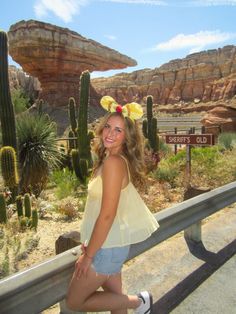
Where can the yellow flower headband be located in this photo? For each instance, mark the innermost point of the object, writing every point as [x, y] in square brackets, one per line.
[132, 110]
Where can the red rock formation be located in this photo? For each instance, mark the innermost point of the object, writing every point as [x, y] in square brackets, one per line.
[57, 56]
[208, 75]
[19, 80]
[220, 116]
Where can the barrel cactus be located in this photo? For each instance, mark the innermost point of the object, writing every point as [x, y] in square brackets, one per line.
[9, 169]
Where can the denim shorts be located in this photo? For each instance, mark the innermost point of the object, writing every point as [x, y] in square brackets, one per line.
[109, 261]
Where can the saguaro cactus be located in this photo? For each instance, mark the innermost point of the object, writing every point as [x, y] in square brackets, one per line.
[83, 115]
[27, 205]
[35, 219]
[40, 107]
[150, 126]
[7, 115]
[72, 115]
[3, 209]
[19, 206]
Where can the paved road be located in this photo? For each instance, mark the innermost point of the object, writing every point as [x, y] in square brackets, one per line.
[188, 282]
[215, 295]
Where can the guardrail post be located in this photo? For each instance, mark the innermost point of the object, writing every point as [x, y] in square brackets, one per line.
[194, 232]
[65, 242]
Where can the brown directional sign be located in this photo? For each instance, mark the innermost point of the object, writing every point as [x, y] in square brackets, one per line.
[190, 139]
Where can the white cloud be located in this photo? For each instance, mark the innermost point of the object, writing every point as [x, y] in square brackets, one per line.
[111, 37]
[209, 3]
[195, 42]
[153, 2]
[64, 9]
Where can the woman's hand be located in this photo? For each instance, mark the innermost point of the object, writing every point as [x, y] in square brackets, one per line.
[82, 265]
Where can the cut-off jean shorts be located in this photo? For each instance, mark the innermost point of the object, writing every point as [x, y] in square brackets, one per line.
[109, 261]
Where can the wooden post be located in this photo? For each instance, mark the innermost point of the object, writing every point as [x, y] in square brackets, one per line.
[175, 144]
[188, 164]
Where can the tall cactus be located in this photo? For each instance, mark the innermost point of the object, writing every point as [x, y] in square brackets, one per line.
[9, 169]
[149, 115]
[83, 156]
[76, 164]
[7, 115]
[150, 126]
[19, 206]
[3, 209]
[72, 141]
[34, 219]
[72, 115]
[40, 107]
[83, 115]
[27, 205]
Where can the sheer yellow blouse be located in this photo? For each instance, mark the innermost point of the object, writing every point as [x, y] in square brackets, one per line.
[133, 221]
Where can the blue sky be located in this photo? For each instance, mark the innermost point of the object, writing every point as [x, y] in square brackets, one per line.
[152, 32]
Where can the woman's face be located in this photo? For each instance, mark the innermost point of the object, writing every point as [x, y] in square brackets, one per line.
[113, 134]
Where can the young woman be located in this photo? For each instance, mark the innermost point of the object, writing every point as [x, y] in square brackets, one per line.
[115, 216]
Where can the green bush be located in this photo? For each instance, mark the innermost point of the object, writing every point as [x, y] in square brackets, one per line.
[20, 100]
[227, 140]
[65, 181]
[166, 174]
[38, 151]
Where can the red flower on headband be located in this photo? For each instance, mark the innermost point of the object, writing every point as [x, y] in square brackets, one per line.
[119, 108]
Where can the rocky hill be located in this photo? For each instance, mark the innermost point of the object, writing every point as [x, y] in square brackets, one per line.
[197, 83]
[205, 76]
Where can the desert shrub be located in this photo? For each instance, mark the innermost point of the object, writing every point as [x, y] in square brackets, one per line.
[168, 171]
[208, 167]
[164, 149]
[20, 100]
[227, 140]
[38, 152]
[70, 207]
[65, 181]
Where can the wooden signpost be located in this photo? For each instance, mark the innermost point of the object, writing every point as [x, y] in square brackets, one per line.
[190, 140]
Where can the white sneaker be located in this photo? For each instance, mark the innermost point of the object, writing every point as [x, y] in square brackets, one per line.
[146, 306]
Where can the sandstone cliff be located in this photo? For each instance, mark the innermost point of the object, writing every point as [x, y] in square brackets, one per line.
[18, 79]
[206, 76]
[57, 56]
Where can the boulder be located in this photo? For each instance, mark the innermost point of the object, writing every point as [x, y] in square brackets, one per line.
[221, 118]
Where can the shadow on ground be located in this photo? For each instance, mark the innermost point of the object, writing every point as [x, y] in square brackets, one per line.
[213, 261]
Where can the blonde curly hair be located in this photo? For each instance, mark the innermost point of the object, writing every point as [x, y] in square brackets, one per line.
[133, 148]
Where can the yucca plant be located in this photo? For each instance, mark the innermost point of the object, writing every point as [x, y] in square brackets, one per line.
[38, 152]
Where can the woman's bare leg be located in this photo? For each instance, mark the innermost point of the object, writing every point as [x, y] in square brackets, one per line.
[114, 284]
[82, 295]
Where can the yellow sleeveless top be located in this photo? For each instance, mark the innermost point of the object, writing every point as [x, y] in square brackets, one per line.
[133, 221]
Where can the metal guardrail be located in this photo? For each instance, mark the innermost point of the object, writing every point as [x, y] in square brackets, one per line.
[37, 288]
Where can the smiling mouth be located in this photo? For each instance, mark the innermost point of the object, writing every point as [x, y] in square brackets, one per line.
[108, 140]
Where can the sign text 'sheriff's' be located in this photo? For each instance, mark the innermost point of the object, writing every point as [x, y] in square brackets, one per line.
[190, 139]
